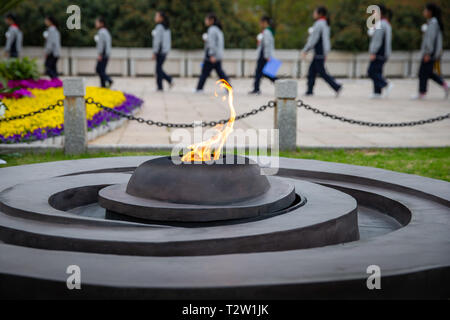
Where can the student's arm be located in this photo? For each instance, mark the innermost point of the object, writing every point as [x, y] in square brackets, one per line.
[51, 42]
[101, 44]
[429, 40]
[267, 43]
[9, 40]
[313, 38]
[376, 42]
[158, 39]
[213, 43]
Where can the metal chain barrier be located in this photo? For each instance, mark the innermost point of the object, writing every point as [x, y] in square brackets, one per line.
[301, 104]
[58, 103]
[270, 104]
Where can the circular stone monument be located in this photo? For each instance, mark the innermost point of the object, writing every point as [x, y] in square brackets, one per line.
[327, 224]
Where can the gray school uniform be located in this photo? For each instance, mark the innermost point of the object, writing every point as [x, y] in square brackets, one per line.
[162, 40]
[267, 44]
[319, 39]
[14, 39]
[104, 42]
[215, 43]
[381, 42]
[53, 42]
[432, 40]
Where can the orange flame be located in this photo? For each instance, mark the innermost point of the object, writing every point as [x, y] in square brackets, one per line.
[203, 151]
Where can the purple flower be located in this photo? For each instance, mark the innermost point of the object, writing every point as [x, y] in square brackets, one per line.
[35, 84]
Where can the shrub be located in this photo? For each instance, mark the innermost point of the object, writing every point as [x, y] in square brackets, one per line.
[18, 69]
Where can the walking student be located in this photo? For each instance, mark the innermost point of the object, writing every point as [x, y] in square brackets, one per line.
[431, 50]
[214, 47]
[52, 47]
[14, 37]
[380, 49]
[266, 48]
[162, 42]
[319, 41]
[103, 39]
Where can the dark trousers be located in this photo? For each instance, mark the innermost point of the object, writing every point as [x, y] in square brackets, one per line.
[259, 73]
[318, 67]
[375, 73]
[206, 71]
[50, 66]
[425, 73]
[101, 71]
[160, 74]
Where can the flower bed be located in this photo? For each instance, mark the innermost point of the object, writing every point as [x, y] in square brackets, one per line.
[51, 123]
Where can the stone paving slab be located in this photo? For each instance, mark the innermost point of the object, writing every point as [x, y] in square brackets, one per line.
[182, 105]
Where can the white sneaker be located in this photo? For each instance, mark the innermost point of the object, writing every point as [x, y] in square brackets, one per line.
[418, 96]
[388, 89]
[375, 96]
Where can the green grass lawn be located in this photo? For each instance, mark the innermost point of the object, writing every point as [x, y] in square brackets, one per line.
[428, 162]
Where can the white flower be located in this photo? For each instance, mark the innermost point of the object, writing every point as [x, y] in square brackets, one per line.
[424, 28]
[259, 37]
[7, 34]
[96, 38]
[2, 109]
[45, 34]
[378, 25]
[153, 33]
[371, 32]
[310, 30]
[205, 36]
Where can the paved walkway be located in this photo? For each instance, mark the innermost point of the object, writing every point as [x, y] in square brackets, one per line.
[182, 105]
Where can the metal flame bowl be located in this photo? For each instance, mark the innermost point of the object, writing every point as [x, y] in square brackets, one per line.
[227, 180]
[227, 189]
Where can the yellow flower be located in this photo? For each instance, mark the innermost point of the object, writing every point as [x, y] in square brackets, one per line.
[52, 118]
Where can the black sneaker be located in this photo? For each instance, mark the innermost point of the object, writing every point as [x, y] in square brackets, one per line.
[338, 91]
[255, 92]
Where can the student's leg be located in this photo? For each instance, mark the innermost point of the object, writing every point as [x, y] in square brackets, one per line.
[323, 73]
[425, 72]
[106, 76]
[436, 78]
[376, 74]
[258, 73]
[220, 73]
[48, 66]
[164, 74]
[206, 71]
[271, 78]
[383, 80]
[371, 75]
[159, 71]
[51, 66]
[100, 71]
[312, 73]
[55, 67]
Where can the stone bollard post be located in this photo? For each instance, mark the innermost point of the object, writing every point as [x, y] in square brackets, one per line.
[286, 113]
[75, 127]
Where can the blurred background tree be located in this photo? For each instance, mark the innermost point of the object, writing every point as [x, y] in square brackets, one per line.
[131, 21]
